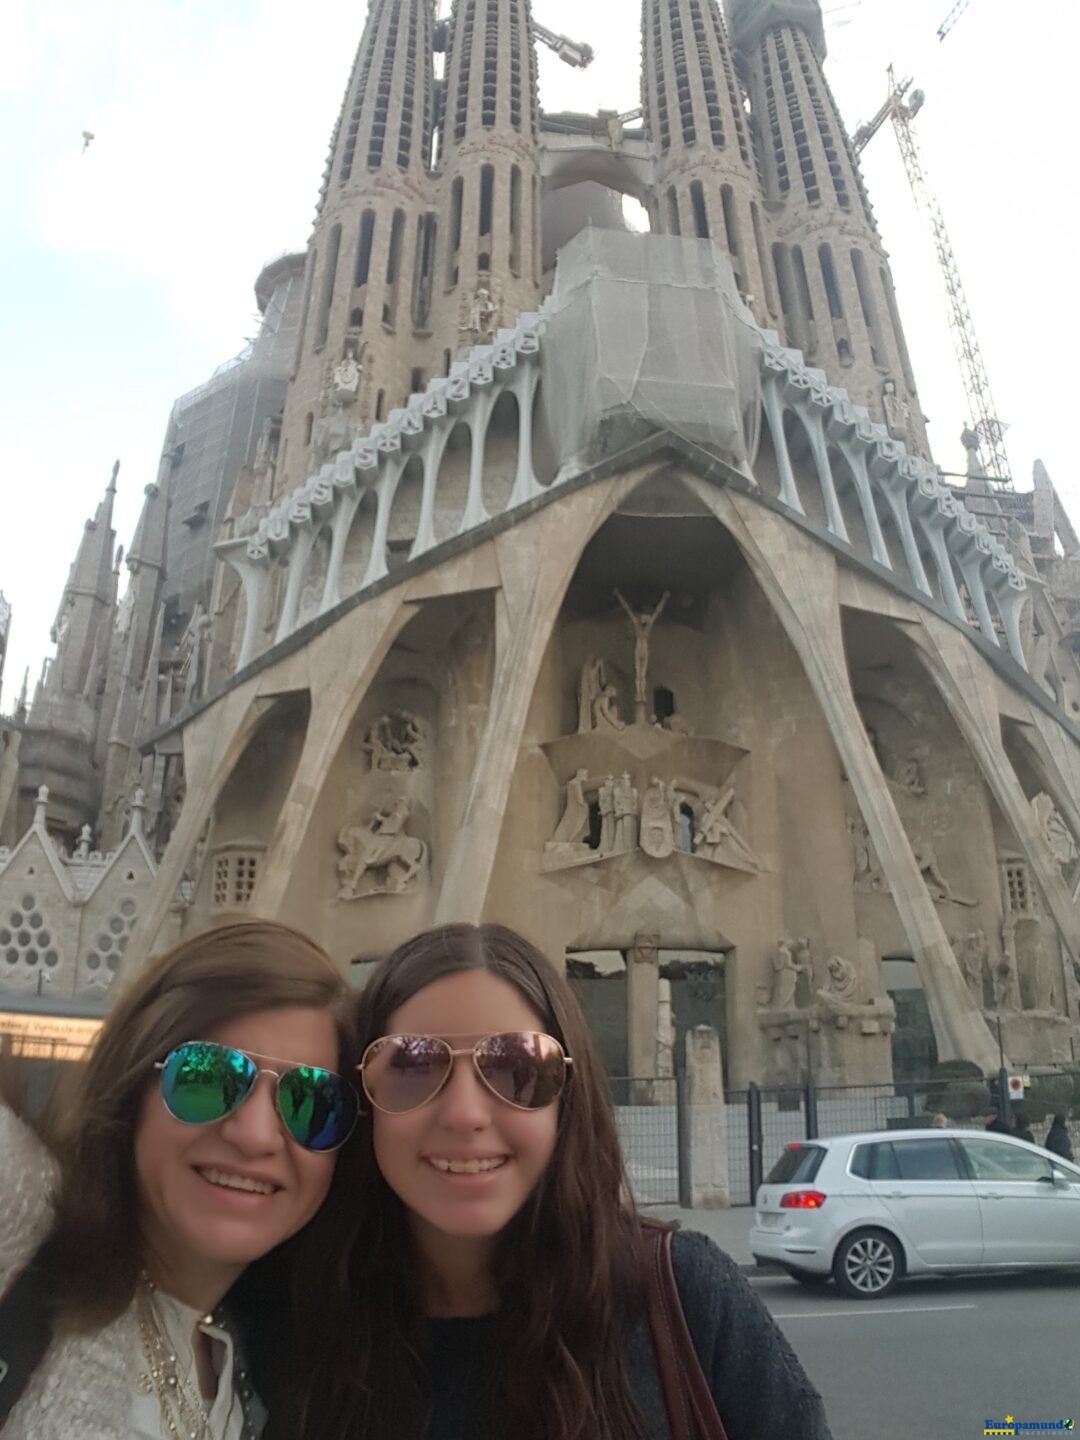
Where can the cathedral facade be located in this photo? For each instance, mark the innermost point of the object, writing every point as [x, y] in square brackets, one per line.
[595, 582]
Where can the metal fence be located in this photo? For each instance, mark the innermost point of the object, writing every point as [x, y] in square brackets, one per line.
[760, 1122]
[648, 1115]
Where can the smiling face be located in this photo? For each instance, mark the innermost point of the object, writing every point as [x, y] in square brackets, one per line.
[465, 1163]
[215, 1197]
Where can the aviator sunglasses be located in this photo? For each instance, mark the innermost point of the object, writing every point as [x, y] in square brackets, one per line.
[523, 1068]
[202, 1082]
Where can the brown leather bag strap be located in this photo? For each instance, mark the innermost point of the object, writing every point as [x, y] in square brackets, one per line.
[692, 1413]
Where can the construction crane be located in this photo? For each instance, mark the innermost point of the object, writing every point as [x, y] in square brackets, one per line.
[580, 56]
[901, 108]
[952, 17]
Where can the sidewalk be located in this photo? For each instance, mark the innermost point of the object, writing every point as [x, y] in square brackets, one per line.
[729, 1228]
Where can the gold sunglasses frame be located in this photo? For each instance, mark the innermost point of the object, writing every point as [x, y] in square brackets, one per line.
[454, 1055]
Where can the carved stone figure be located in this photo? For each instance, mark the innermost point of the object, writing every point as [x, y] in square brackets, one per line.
[787, 968]
[395, 743]
[1042, 979]
[266, 448]
[596, 700]
[841, 982]
[379, 858]
[897, 411]
[973, 952]
[480, 316]
[867, 874]
[606, 799]
[347, 374]
[909, 774]
[195, 655]
[573, 828]
[657, 826]
[1003, 974]
[939, 887]
[626, 815]
[716, 838]
[643, 625]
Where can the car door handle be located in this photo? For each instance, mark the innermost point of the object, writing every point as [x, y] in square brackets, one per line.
[897, 1195]
[992, 1195]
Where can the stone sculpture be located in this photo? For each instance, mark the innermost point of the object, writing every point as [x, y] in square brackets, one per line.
[480, 316]
[626, 814]
[195, 654]
[930, 869]
[788, 965]
[657, 825]
[597, 709]
[867, 871]
[841, 982]
[606, 800]
[716, 838]
[379, 858]
[572, 830]
[973, 952]
[909, 776]
[395, 743]
[643, 624]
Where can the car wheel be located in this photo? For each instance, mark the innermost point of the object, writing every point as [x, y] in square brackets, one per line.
[868, 1265]
[810, 1278]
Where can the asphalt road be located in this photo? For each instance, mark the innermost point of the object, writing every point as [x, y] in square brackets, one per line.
[940, 1356]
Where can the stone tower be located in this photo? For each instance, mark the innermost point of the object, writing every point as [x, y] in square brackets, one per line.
[831, 291]
[489, 254]
[60, 733]
[368, 278]
[695, 117]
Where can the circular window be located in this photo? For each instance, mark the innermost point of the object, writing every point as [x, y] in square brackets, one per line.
[128, 907]
[11, 956]
[5, 937]
[36, 921]
[104, 942]
[116, 925]
[25, 937]
[52, 959]
[44, 938]
[16, 919]
[93, 961]
[28, 902]
[31, 957]
[112, 961]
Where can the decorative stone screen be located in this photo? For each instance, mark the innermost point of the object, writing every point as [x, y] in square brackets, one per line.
[101, 958]
[1019, 891]
[27, 946]
[235, 875]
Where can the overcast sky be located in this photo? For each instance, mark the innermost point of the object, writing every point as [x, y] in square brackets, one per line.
[129, 268]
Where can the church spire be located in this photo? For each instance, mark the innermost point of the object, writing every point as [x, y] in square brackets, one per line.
[833, 295]
[695, 116]
[368, 276]
[86, 608]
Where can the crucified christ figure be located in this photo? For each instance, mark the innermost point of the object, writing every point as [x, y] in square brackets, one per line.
[643, 625]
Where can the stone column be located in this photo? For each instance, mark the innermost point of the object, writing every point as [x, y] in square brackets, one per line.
[706, 1120]
[665, 1032]
[643, 1005]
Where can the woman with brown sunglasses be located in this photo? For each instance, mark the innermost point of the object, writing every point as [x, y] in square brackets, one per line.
[489, 1278]
[202, 1137]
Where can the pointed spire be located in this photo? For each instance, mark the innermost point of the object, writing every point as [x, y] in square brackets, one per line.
[147, 546]
[41, 807]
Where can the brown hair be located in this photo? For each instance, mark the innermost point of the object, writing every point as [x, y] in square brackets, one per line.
[566, 1267]
[205, 981]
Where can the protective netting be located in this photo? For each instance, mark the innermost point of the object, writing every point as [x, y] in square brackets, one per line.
[646, 333]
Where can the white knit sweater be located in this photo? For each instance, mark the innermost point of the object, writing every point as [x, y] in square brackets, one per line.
[86, 1386]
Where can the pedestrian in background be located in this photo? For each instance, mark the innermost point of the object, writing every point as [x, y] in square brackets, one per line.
[1058, 1140]
[1021, 1126]
[939, 1122]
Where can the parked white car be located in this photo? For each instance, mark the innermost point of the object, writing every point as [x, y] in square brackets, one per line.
[867, 1210]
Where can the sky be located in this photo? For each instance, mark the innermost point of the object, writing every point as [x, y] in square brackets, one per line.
[128, 267]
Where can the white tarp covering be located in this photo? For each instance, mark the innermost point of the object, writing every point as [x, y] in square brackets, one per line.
[646, 333]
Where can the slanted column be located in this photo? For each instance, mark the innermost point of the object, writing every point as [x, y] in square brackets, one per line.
[253, 572]
[434, 449]
[771, 395]
[815, 431]
[387, 489]
[893, 484]
[484, 402]
[300, 554]
[856, 458]
[1010, 596]
[526, 485]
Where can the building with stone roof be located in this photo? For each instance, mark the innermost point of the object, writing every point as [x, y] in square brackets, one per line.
[597, 582]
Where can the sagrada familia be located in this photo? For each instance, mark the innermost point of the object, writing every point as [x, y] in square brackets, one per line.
[529, 568]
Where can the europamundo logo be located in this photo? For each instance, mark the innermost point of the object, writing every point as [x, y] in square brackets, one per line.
[1011, 1426]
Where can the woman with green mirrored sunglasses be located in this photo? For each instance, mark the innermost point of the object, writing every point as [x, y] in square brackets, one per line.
[202, 1139]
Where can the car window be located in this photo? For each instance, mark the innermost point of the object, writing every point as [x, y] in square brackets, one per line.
[993, 1160]
[926, 1160]
[798, 1164]
[875, 1162]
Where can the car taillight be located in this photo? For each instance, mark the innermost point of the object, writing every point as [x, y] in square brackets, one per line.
[802, 1200]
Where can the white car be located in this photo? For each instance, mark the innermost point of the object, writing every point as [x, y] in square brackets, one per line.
[866, 1210]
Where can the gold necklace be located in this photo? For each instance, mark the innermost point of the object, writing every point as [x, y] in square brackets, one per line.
[183, 1412]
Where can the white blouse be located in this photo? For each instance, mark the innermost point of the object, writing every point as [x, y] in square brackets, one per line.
[87, 1386]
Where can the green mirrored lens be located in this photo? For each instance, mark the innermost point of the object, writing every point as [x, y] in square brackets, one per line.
[201, 1083]
[317, 1106]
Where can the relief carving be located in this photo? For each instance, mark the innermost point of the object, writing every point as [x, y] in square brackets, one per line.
[379, 858]
[395, 743]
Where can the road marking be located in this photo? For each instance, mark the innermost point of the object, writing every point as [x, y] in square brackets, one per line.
[868, 1310]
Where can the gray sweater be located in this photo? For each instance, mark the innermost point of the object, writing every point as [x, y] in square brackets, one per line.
[760, 1389]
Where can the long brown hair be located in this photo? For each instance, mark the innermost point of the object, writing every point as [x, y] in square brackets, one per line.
[205, 981]
[566, 1267]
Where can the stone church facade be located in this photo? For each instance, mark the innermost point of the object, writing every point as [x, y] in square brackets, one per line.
[616, 599]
